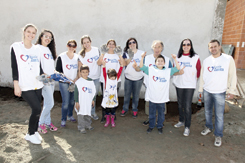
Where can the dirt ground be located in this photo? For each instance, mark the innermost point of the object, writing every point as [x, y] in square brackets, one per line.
[127, 142]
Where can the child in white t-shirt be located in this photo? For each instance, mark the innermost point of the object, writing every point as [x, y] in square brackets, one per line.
[158, 89]
[84, 95]
[110, 99]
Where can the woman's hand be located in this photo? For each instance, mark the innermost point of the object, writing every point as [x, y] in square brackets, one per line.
[103, 62]
[17, 90]
[92, 103]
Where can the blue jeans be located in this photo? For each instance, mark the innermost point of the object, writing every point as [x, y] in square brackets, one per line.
[48, 103]
[160, 107]
[67, 101]
[97, 86]
[133, 87]
[218, 101]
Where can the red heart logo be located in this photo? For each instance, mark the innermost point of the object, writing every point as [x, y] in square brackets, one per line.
[210, 69]
[46, 56]
[84, 89]
[24, 57]
[150, 65]
[154, 78]
[68, 67]
[90, 60]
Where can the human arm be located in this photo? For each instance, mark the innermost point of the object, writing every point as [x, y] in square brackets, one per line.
[175, 61]
[136, 67]
[119, 72]
[198, 67]
[15, 74]
[232, 80]
[99, 62]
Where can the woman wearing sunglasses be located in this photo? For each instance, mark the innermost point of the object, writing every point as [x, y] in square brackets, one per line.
[185, 82]
[46, 43]
[133, 78]
[89, 56]
[67, 63]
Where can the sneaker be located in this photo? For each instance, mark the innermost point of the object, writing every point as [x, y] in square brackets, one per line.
[52, 127]
[33, 139]
[186, 132]
[135, 114]
[146, 123]
[217, 141]
[123, 113]
[206, 131]
[42, 129]
[95, 117]
[38, 136]
[149, 130]
[63, 124]
[71, 119]
[83, 131]
[160, 130]
[90, 128]
[179, 124]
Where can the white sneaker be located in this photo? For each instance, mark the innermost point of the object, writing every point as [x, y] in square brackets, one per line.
[33, 139]
[186, 132]
[179, 124]
[38, 136]
[206, 131]
[217, 141]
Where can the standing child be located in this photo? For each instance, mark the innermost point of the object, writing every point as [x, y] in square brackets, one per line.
[158, 89]
[84, 96]
[110, 100]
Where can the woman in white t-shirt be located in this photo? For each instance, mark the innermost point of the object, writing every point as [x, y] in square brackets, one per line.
[112, 61]
[89, 56]
[25, 63]
[67, 63]
[46, 43]
[133, 77]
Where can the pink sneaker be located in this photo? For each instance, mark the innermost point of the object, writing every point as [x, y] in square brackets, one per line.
[52, 127]
[42, 129]
[107, 120]
[113, 124]
[135, 114]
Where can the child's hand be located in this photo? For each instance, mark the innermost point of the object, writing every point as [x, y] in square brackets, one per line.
[181, 71]
[134, 64]
[173, 56]
[92, 103]
[143, 55]
[121, 62]
[77, 106]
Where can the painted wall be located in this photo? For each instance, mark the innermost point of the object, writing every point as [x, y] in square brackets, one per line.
[146, 20]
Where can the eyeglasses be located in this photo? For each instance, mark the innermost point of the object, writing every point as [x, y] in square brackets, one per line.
[72, 46]
[47, 37]
[133, 42]
[186, 45]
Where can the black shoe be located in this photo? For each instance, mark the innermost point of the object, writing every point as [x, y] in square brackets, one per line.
[149, 130]
[146, 123]
[160, 130]
[102, 120]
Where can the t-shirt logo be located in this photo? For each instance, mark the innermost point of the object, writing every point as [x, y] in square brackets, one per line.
[87, 90]
[71, 66]
[159, 79]
[186, 64]
[24, 57]
[47, 56]
[95, 58]
[136, 60]
[215, 68]
[110, 60]
[112, 87]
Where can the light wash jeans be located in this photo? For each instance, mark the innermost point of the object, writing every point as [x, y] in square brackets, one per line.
[48, 103]
[67, 101]
[218, 101]
[97, 86]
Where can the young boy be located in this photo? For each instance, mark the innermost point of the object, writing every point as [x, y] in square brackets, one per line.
[110, 100]
[158, 89]
[84, 98]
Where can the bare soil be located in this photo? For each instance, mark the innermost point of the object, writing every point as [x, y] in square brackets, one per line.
[127, 142]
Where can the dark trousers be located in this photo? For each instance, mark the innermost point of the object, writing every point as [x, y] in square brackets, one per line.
[33, 98]
[111, 111]
[184, 104]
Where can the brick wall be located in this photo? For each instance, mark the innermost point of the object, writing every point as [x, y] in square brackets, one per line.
[234, 29]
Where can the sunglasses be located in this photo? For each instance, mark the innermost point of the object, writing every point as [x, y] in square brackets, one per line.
[133, 42]
[47, 37]
[71, 46]
[186, 45]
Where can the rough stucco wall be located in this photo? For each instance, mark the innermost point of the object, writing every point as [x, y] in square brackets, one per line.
[168, 20]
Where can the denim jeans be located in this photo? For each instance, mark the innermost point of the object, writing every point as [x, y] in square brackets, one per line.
[160, 107]
[48, 103]
[218, 101]
[67, 101]
[97, 86]
[185, 96]
[133, 87]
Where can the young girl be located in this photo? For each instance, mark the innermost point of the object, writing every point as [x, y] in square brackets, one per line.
[46, 43]
[67, 64]
[84, 97]
[25, 63]
[158, 89]
[110, 99]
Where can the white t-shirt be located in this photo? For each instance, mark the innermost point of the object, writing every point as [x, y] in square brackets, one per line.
[111, 62]
[130, 72]
[47, 60]
[69, 66]
[86, 93]
[215, 73]
[110, 99]
[189, 78]
[28, 63]
[90, 60]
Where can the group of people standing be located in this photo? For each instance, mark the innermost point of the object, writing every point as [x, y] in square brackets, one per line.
[90, 69]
